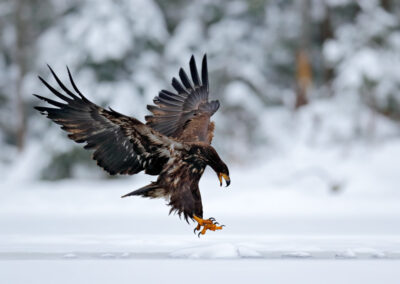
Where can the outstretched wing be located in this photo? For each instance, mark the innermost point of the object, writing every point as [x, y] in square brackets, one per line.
[186, 114]
[121, 144]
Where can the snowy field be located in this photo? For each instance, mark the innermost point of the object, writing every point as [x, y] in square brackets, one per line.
[201, 271]
[278, 229]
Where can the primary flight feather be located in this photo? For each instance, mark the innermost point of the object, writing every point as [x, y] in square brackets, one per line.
[174, 144]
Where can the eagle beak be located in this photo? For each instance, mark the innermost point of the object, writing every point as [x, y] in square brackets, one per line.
[226, 177]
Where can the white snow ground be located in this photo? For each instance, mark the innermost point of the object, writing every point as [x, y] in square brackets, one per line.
[199, 271]
[278, 229]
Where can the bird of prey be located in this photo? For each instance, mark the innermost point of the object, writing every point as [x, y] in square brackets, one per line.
[174, 143]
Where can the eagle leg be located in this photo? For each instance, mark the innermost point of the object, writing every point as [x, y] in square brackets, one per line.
[207, 224]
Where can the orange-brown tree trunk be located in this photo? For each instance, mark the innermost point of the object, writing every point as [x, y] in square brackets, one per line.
[303, 65]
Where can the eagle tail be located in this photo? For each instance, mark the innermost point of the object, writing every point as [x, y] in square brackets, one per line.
[152, 190]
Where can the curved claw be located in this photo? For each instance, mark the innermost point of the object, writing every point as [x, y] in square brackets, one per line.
[197, 228]
[207, 224]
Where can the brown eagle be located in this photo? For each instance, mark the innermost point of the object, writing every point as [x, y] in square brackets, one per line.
[174, 144]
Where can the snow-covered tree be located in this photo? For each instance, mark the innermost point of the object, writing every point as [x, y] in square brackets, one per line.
[121, 53]
[365, 55]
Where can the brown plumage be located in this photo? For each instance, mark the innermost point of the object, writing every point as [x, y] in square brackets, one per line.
[173, 144]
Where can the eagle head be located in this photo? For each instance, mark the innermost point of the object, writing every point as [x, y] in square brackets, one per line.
[214, 161]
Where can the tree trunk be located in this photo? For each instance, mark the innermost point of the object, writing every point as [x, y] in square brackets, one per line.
[326, 34]
[20, 60]
[387, 5]
[303, 66]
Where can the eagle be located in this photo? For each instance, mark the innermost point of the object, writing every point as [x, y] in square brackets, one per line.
[173, 144]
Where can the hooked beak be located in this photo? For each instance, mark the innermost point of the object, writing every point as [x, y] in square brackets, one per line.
[226, 177]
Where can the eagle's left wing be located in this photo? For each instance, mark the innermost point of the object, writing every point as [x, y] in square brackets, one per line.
[121, 144]
[185, 114]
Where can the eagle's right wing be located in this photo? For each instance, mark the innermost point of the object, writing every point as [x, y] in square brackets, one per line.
[121, 144]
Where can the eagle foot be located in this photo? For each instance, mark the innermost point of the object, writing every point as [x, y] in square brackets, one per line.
[207, 224]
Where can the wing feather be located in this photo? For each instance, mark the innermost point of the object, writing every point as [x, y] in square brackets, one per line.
[121, 144]
[179, 88]
[184, 114]
[185, 79]
[204, 74]
[194, 73]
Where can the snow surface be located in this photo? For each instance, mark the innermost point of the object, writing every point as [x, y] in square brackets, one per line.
[198, 271]
[275, 230]
[278, 229]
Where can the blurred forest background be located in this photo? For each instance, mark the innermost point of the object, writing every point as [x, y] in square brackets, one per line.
[307, 76]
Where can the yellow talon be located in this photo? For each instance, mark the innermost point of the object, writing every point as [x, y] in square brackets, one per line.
[208, 224]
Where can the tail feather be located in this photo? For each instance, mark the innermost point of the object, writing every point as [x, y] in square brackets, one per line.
[152, 190]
